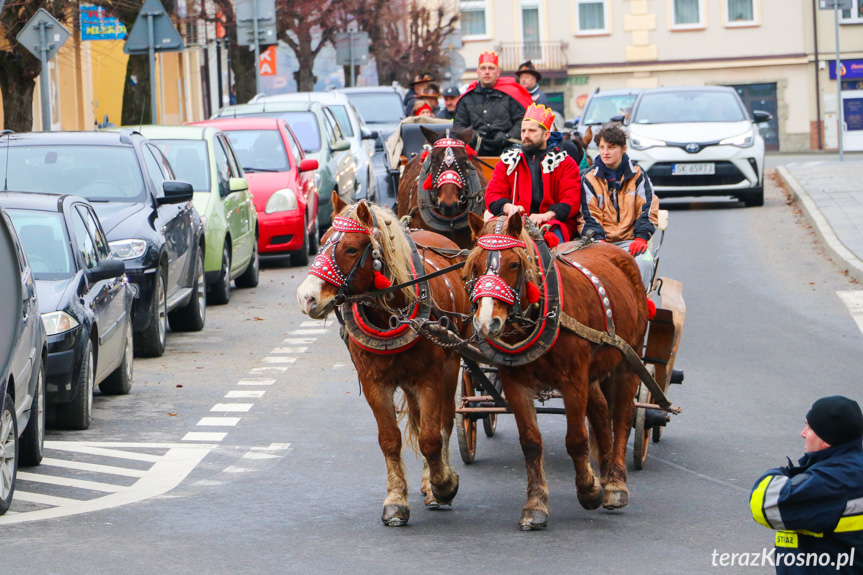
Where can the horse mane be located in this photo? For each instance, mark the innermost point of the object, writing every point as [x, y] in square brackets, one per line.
[395, 250]
[529, 263]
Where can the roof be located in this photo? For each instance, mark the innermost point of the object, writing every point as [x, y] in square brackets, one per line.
[241, 123]
[174, 132]
[92, 138]
[327, 98]
[263, 108]
[621, 92]
[370, 90]
[34, 201]
[690, 89]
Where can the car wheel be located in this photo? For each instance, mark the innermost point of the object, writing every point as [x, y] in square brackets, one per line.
[313, 239]
[33, 438]
[8, 453]
[77, 413]
[754, 198]
[151, 341]
[193, 315]
[251, 276]
[220, 292]
[300, 257]
[120, 381]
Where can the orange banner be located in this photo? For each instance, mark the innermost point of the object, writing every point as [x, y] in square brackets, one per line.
[268, 61]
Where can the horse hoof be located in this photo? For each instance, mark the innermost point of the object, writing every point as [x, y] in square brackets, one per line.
[433, 505]
[533, 521]
[396, 515]
[615, 499]
[446, 499]
[593, 499]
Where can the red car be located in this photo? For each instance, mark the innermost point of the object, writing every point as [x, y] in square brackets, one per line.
[282, 182]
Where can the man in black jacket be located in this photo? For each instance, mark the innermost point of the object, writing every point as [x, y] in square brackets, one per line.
[493, 107]
[450, 100]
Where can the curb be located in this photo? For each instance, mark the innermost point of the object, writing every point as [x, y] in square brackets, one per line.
[841, 256]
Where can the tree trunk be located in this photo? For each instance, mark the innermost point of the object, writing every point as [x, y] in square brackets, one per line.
[136, 99]
[243, 66]
[17, 82]
[305, 78]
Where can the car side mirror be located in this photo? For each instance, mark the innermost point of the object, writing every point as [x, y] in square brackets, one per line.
[341, 146]
[176, 192]
[617, 119]
[569, 124]
[759, 116]
[308, 165]
[107, 269]
[369, 134]
[237, 185]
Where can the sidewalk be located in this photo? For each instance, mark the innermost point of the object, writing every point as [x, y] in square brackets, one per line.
[830, 194]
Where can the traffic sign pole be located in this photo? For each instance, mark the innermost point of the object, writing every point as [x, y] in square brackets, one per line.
[839, 85]
[152, 61]
[351, 36]
[257, 47]
[45, 77]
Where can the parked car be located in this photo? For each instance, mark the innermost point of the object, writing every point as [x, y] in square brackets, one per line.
[204, 158]
[601, 107]
[698, 141]
[147, 215]
[84, 298]
[22, 364]
[354, 128]
[282, 183]
[380, 106]
[321, 138]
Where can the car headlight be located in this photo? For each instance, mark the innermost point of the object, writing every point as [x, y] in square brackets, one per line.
[58, 322]
[744, 140]
[128, 249]
[642, 143]
[282, 201]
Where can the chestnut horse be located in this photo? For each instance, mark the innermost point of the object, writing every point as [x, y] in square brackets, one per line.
[439, 196]
[388, 358]
[593, 380]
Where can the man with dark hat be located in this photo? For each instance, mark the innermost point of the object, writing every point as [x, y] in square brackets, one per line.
[529, 77]
[816, 507]
[450, 99]
[421, 81]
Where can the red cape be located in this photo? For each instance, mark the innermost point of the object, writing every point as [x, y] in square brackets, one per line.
[511, 88]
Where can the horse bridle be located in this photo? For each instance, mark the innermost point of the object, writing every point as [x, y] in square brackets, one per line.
[490, 284]
[448, 172]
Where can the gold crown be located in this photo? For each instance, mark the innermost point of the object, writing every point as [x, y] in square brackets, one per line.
[539, 113]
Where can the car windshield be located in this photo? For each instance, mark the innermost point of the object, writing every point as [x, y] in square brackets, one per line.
[601, 109]
[260, 150]
[98, 173]
[341, 114]
[190, 161]
[689, 106]
[43, 235]
[379, 108]
[304, 125]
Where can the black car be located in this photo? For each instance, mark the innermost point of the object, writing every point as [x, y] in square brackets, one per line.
[147, 215]
[22, 364]
[84, 299]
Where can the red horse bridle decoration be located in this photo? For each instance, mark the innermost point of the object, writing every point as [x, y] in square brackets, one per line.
[325, 266]
[490, 284]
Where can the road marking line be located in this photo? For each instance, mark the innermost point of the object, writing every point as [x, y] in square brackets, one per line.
[290, 350]
[273, 447]
[234, 469]
[68, 482]
[232, 407]
[300, 340]
[279, 359]
[853, 300]
[219, 421]
[256, 381]
[90, 450]
[80, 466]
[76, 445]
[308, 331]
[256, 370]
[314, 323]
[204, 436]
[44, 500]
[257, 393]
[257, 455]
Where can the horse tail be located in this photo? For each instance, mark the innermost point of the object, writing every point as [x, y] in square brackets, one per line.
[412, 431]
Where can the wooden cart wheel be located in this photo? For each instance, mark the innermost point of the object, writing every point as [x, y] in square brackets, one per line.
[489, 422]
[465, 426]
[641, 439]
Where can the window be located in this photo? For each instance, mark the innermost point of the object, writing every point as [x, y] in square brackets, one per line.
[154, 169]
[341, 114]
[43, 237]
[853, 16]
[686, 14]
[474, 16]
[102, 249]
[233, 167]
[260, 150]
[591, 17]
[530, 33]
[84, 242]
[223, 169]
[295, 149]
[190, 160]
[740, 12]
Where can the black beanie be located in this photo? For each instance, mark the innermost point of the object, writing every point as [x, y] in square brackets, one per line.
[836, 419]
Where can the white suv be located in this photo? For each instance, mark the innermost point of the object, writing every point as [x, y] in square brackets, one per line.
[698, 141]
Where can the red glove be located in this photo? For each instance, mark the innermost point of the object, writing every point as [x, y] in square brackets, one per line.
[637, 246]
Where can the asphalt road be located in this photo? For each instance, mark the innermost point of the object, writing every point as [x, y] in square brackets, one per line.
[296, 482]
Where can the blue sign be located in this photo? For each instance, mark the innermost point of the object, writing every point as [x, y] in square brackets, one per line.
[851, 70]
[97, 25]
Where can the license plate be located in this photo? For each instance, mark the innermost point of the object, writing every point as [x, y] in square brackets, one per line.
[701, 169]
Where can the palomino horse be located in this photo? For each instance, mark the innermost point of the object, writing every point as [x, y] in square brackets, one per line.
[593, 380]
[366, 241]
[439, 193]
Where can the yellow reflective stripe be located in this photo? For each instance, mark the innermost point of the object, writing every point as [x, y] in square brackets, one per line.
[756, 502]
[854, 523]
[809, 533]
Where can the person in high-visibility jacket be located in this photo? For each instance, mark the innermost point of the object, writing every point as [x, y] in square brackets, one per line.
[816, 507]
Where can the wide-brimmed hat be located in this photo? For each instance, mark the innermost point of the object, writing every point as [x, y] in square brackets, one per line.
[430, 91]
[421, 78]
[528, 68]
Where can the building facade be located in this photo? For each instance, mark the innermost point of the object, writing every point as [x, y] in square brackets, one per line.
[777, 54]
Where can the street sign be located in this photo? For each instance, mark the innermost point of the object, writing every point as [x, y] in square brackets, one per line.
[55, 34]
[165, 36]
[268, 61]
[246, 34]
[836, 4]
[97, 25]
[346, 49]
[245, 11]
[256, 25]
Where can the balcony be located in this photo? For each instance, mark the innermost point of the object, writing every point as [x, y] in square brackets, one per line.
[547, 57]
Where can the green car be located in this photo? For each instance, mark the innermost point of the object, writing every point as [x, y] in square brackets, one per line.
[204, 158]
[322, 139]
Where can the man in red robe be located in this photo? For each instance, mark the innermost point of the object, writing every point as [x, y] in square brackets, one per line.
[539, 179]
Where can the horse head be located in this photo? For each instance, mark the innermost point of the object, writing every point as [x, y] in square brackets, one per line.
[501, 272]
[364, 241]
[450, 176]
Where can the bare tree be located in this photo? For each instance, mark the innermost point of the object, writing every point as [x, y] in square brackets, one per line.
[302, 24]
